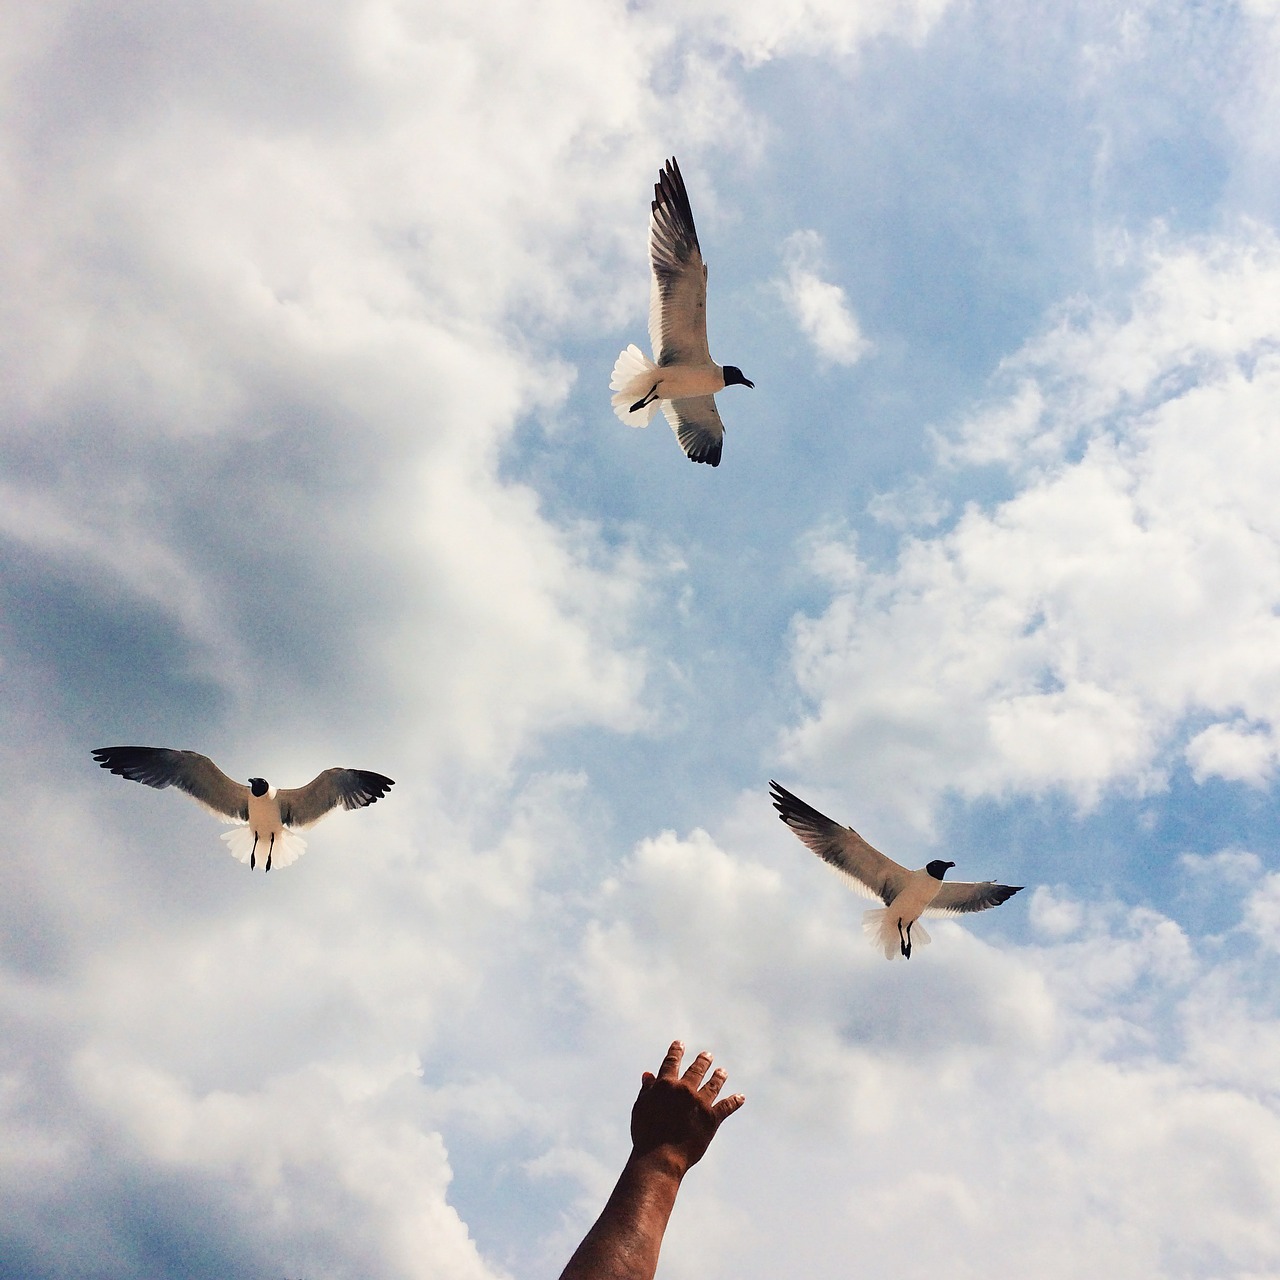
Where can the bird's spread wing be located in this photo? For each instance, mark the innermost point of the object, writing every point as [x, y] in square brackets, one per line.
[189, 771]
[697, 425]
[955, 897]
[350, 788]
[872, 873]
[678, 293]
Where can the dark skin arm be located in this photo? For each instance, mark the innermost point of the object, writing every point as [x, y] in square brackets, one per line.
[672, 1124]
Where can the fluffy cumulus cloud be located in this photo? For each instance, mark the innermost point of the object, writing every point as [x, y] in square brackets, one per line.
[286, 285]
[230, 1082]
[1080, 632]
[268, 1169]
[259, 370]
[819, 307]
[258, 332]
[1029, 1101]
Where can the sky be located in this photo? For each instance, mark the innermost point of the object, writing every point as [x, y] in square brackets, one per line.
[307, 317]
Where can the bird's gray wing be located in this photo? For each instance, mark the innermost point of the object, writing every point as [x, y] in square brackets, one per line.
[872, 874]
[189, 771]
[350, 788]
[696, 422]
[678, 291]
[956, 897]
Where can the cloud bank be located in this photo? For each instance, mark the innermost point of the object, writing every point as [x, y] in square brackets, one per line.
[1117, 612]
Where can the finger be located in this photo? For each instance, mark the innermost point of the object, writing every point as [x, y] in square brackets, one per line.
[697, 1069]
[670, 1068]
[646, 1080]
[727, 1106]
[714, 1083]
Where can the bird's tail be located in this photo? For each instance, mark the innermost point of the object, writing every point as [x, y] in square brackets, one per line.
[633, 379]
[288, 847]
[881, 928]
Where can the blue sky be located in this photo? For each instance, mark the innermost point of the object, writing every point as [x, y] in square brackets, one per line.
[307, 459]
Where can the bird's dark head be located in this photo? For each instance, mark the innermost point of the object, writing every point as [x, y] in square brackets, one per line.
[258, 786]
[733, 377]
[937, 868]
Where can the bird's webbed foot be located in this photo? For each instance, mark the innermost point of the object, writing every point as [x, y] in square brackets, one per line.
[253, 853]
[640, 404]
[271, 850]
[904, 940]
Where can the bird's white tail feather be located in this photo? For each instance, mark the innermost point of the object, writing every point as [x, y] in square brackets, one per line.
[881, 929]
[633, 376]
[289, 846]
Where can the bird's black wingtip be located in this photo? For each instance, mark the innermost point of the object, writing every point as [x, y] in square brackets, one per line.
[117, 759]
[783, 800]
[1003, 892]
[376, 785]
[670, 191]
[699, 451]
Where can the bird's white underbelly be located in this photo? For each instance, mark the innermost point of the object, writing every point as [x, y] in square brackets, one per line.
[264, 815]
[683, 381]
[918, 894]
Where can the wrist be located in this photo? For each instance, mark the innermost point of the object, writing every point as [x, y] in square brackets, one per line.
[665, 1160]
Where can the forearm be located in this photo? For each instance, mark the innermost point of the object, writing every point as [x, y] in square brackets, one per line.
[625, 1240]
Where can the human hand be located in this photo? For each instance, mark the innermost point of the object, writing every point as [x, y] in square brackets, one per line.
[679, 1115]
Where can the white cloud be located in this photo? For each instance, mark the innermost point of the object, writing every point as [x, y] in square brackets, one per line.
[914, 506]
[276, 1166]
[1052, 915]
[285, 285]
[760, 31]
[1037, 1088]
[1231, 866]
[1059, 638]
[820, 308]
[1198, 319]
[1262, 913]
[1232, 751]
[1026, 1086]
[257, 340]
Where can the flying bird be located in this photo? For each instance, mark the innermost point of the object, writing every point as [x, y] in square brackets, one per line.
[272, 816]
[907, 895]
[681, 378]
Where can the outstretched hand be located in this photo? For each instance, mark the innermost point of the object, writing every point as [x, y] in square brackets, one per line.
[677, 1114]
[672, 1124]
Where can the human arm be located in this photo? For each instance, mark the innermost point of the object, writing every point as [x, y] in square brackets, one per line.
[672, 1123]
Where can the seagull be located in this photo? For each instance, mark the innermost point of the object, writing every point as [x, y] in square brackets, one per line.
[269, 813]
[907, 895]
[682, 379]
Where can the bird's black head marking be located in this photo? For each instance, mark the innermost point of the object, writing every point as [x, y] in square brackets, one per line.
[258, 786]
[733, 377]
[937, 868]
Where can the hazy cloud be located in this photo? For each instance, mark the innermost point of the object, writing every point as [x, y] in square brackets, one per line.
[819, 307]
[1058, 638]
